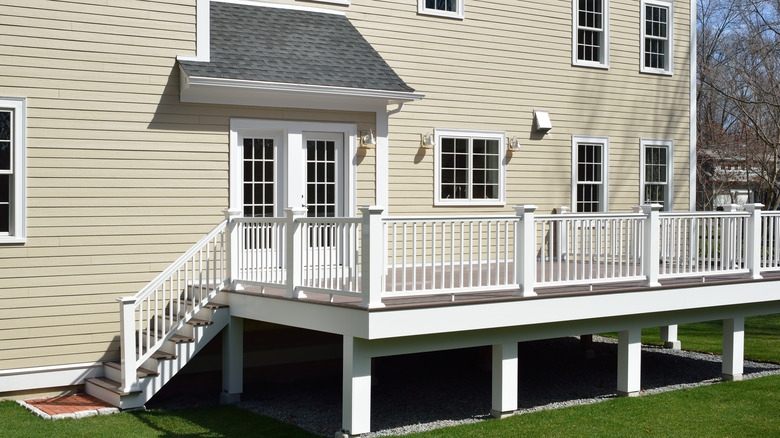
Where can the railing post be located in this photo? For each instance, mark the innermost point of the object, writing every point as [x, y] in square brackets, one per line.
[294, 251]
[754, 244]
[525, 250]
[128, 346]
[372, 257]
[651, 244]
[232, 246]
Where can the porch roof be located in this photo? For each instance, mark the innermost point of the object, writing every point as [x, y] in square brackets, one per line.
[291, 46]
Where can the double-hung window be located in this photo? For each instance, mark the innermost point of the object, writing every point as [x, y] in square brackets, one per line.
[469, 167]
[656, 36]
[590, 33]
[443, 8]
[590, 174]
[656, 175]
[12, 170]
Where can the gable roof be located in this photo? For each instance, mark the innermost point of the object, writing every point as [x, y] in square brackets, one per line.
[267, 44]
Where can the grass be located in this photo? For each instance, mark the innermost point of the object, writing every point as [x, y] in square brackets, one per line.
[223, 421]
[750, 408]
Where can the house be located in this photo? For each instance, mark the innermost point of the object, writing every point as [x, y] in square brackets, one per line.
[379, 171]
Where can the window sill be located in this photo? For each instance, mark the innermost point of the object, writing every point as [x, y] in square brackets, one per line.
[653, 71]
[590, 65]
[6, 240]
[467, 203]
[442, 14]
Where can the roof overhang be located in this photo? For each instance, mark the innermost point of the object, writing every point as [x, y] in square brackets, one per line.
[198, 89]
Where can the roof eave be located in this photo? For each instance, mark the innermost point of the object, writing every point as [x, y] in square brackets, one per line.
[200, 89]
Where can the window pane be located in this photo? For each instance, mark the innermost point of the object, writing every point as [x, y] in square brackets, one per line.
[5, 189]
[5, 125]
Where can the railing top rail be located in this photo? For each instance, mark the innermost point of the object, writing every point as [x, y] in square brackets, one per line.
[448, 218]
[770, 212]
[170, 270]
[703, 214]
[258, 220]
[329, 220]
[590, 216]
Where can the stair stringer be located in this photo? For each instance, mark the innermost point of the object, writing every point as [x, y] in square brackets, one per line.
[168, 368]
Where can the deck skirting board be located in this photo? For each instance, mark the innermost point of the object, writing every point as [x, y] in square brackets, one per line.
[56, 376]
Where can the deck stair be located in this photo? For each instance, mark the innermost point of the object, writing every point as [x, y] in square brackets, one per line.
[164, 363]
[167, 323]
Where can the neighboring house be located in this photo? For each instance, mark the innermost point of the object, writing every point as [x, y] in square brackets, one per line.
[128, 126]
[725, 177]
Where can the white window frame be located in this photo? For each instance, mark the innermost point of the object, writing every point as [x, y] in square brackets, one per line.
[669, 67]
[576, 140]
[290, 153]
[669, 145]
[478, 134]
[458, 14]
[604, 61]
[18, 196]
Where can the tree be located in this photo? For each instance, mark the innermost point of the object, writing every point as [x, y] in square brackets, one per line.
[738, 93]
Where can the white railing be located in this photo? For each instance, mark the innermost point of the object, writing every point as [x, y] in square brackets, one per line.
[770, 240]
[329, 256]
[260, 255]
[588, 248]
[696, 243]
[153, 315]
[449, 255]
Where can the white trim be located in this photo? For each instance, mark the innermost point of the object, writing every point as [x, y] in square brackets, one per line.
[57, 376]
[669, 68]
[692, 126]
[203, 22]
[669, 145]
[470, 133]
[290, 153]
[604, 141]
[18, 197]
[198, 89]
[575, 61]
[459, 13]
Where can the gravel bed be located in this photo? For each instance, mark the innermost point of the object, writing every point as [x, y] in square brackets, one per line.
[426, 391]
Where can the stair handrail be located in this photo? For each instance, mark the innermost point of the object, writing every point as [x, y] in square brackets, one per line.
[132, 318]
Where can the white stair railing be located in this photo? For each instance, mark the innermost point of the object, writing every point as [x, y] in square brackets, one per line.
[153, 315]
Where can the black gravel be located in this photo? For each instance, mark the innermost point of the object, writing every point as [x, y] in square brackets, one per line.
[419, 392]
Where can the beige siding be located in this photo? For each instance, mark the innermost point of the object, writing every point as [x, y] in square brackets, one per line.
[122, 178]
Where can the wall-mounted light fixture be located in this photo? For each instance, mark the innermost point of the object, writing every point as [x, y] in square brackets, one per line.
[542, 121]
[367, 139]
[513, 145]
[427, 141]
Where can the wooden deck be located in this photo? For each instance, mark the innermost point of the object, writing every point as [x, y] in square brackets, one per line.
[426, 300]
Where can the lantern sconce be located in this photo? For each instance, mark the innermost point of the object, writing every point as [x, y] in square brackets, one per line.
[513, 145]
[427, 141]
[367, 139]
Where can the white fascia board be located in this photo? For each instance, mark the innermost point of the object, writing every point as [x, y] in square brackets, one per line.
[57, 376]
[197, 89]
[540, 311]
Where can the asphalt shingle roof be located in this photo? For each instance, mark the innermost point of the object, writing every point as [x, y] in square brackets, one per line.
[291, 46]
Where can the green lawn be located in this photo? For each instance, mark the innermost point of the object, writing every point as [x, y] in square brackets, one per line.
[750, 408]
[223, 421]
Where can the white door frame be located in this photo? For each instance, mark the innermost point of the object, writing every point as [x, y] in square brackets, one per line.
[290, 154]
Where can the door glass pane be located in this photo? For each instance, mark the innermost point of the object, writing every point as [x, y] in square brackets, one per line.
[321, 178]
[258, 177]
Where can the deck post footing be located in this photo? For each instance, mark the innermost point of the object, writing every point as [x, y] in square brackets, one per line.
[501, 414]
[731, 377]
[628, 394]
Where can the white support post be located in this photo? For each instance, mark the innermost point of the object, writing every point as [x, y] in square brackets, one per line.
[733, 348]
[629, 362]
[504, 378]
[651, 244]
[232, 361]
[669, 337]
[294, 251]
[754, 240]
[128, 344]
[232, 246]
[525, 250]
[373, 257]
[356, 392]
